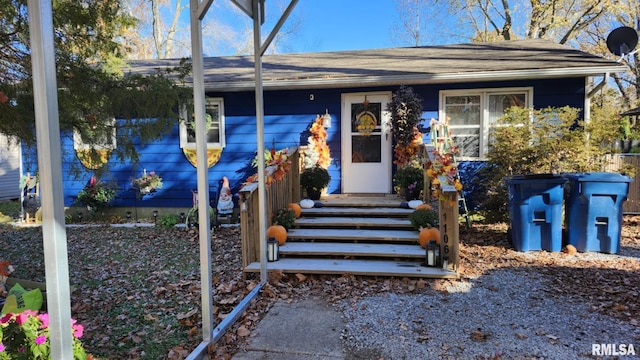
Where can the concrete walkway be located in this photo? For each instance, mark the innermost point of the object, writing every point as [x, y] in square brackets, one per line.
[304, 330]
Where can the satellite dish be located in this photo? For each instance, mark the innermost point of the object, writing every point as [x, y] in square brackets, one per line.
[622, 41]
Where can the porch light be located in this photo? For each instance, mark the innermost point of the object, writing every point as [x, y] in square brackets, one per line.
[433, 253]
[273, 250]
[326, 119]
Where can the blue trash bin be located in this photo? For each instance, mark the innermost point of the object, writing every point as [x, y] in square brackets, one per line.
[594, 210]
[535, 209]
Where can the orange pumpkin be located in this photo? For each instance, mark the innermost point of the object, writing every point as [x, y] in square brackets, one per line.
[278, 232]
[296, 209]
[428, 234]
[424, 207]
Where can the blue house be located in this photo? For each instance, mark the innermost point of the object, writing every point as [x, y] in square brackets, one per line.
[471, 84]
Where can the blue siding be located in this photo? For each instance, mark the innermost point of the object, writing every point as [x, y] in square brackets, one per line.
[288, 115]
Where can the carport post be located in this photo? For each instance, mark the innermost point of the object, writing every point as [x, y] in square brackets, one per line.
[54, 235]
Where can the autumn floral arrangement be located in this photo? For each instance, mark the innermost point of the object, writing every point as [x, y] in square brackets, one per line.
[278, 164]
[148, 182]
[441, 163]
[26, 336]
[406, 114]
[317, 152]
[317, 158]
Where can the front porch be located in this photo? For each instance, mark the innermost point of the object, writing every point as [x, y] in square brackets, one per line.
[365, 234]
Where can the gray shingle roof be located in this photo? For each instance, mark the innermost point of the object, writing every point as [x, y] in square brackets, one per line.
[507, 60]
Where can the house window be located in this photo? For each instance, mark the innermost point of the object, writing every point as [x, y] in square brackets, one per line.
[472, 113]
[214, 112]
[97, 138]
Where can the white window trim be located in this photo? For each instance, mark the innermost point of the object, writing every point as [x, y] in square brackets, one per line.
[78, 144]
[211, 145]
[484, 118]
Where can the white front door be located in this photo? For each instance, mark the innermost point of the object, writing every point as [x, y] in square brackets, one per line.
[366, 143]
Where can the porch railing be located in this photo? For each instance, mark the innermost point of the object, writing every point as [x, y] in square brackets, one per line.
[278, 195]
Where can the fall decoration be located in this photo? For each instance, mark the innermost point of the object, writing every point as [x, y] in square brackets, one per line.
[441, 166]
[423, 207]
[406, 114]
[307, 203]
[409, 181]
[415, 203]
[296, 209]
[423, 218]
[317, 152]
[285, 217]
[314, 179]
[278, 232]
[427, 234]
[278, 165]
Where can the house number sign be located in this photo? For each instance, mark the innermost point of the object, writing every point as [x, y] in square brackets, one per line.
[449, 231]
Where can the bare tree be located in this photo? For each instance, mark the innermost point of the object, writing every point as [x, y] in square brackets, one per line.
[163, 29]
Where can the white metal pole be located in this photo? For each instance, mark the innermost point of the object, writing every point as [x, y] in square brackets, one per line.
[202, 174]
[50, 170]
[262, 192]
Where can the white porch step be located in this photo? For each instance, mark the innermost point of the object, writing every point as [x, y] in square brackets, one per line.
[353, 235]
[352, 250]
[358, 211]
[356, 222]
[355, 267]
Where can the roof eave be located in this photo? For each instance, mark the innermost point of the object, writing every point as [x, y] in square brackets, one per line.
[413, 79]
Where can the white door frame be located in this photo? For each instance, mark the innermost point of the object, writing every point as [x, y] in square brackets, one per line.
[366, 177]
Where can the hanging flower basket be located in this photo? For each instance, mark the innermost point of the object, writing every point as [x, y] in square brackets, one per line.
[148, 183]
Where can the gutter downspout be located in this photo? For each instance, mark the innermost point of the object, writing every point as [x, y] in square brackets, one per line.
[590, 94]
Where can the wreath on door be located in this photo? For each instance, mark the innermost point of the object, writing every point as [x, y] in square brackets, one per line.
[366, 122]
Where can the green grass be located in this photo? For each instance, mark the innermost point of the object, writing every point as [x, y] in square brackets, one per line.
[9, 211]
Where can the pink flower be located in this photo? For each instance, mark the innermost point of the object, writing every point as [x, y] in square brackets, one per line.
[40, 339]
[77, 331]
[1, 347]
[44, 318]
[5, 319]
[22, 318]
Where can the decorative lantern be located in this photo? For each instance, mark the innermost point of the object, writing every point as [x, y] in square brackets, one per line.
[273, 250]
[433, 253]
[326, 119]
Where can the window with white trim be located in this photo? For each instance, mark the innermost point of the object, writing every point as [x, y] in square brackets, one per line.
[473, 112]
[214, 113]
[101, 139]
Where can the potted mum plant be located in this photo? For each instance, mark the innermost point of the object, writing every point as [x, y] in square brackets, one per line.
[313, 180]
[409, 181]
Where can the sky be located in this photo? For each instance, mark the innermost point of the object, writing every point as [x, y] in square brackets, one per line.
[334, 25]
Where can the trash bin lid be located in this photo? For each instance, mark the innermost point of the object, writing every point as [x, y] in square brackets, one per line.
[542, 178]
[600, 177]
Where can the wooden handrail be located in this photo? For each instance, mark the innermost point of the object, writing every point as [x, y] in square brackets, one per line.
[278, 195]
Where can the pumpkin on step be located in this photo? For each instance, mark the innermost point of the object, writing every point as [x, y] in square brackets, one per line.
[278, 232]
[296, 209]
[423, 207]
[307, 203]
[427, 234]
